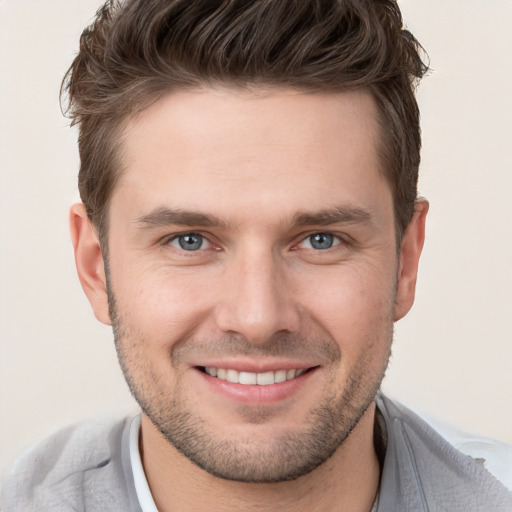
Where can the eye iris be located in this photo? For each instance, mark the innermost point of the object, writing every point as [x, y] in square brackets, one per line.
[321, 241]
[190, 242]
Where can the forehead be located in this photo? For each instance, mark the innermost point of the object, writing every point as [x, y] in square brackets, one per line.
[226, 149]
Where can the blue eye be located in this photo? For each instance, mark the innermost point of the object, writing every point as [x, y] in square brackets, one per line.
[189, 242]
[320, 241]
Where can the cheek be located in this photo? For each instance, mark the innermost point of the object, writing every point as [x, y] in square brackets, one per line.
[161, 305]
[355, 305]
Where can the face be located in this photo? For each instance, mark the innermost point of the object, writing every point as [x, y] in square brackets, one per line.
[253, 275]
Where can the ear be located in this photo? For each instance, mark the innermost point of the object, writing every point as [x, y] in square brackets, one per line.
[410, 251]
[89, 261]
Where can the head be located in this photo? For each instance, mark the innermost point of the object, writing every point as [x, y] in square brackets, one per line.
[248, 170]
[136, 52]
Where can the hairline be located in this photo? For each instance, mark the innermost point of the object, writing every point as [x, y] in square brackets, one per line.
[120, 125]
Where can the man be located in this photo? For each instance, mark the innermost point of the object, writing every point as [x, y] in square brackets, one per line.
[251, 230]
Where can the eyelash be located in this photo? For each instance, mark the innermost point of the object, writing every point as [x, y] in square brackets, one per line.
[167, 241]
[339, 239]
[336, 239]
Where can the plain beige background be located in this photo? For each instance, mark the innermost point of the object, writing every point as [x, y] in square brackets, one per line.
[453, 353]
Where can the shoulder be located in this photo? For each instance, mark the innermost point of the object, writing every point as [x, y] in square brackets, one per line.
[434, 465]
[54, 474]
[495, 456]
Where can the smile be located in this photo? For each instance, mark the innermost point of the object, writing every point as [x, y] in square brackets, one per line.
[251, 379]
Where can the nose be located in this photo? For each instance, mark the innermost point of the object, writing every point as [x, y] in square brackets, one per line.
[257, 299]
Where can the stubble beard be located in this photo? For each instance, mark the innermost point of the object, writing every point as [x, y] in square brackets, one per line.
[285, 455]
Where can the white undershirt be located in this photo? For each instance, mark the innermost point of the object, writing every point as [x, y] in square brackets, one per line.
[146, 501]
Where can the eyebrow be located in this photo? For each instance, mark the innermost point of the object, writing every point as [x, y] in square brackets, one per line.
[168, 216]
[339, 215]
[162, 217]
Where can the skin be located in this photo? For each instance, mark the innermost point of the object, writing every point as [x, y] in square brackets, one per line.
[267, 165]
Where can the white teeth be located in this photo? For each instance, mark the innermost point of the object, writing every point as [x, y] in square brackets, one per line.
[232, 376]
[211, 371]
[280, 376]
[249, 378]
[264, 379]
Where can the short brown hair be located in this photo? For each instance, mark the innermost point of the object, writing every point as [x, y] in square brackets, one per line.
[136, 51]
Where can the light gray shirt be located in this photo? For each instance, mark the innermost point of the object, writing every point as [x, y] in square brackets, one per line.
[90, 467]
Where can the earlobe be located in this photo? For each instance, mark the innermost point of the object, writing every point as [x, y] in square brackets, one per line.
[410, 251]
[89, 261]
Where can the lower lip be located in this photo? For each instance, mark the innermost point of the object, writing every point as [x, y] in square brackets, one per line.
[254, 394]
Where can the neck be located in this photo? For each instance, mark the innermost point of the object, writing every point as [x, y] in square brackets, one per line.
[347, 481]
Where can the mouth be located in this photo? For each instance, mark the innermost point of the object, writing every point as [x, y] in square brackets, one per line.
[254, 379]
[264, 386]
